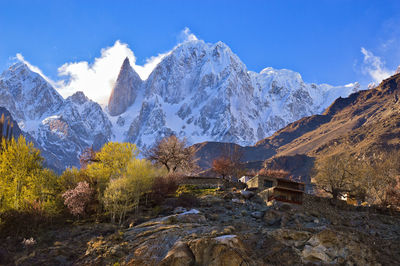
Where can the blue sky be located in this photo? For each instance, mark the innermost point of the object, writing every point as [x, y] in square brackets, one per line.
[322, 40]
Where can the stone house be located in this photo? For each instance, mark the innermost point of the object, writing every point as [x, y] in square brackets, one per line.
[279, 189]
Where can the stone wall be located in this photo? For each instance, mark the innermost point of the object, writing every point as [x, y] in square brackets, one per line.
[211, 182]
[205, 182]
[253, 183]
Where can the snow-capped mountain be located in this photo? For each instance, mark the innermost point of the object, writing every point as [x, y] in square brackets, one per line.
[199, 91]
[62, 128]
[26, 94]
[204, 92]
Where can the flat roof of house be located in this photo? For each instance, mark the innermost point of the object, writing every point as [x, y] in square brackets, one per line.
[280, 179]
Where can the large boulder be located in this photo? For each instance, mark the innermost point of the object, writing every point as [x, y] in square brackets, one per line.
[179, 255]
[290, 237]
[227, 250]
[247, 194]
[272, 217]
[330, 246]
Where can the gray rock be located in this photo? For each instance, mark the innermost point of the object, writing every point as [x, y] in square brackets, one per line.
[236, 200]
[272, 217]
[125, 90]
[179, 210]
[257, 214]
[247, 194]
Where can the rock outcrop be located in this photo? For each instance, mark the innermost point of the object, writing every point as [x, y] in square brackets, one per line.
[125, 89]
[223, 231]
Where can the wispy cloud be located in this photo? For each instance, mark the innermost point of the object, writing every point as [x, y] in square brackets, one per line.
[151, 63]
[35, 69]
[187, 35]
[96, 79]
[374, 66]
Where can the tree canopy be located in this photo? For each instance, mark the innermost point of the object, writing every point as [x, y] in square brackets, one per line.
[173, 154]
[334, 174]
[23, 180]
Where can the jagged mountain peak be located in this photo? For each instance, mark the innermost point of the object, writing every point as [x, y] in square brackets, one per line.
[199, 90]
[127, 69]
[26, 93]
[18, 66]
[20, 71]
[281, 73]
[219, 52]
[125, 89]
[204, 91]
[60, 127]
[125, 63]
[78, 97]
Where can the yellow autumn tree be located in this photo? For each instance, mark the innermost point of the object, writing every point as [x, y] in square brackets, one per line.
[111, 163]
[123, 194]
[70, 178]
[23, 180]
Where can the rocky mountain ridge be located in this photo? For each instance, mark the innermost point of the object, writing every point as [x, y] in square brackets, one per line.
[199, 91]
[204, 92]
[364, 124]
[60, 127]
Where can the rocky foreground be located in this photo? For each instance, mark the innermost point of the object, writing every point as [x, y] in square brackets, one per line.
[228, 229]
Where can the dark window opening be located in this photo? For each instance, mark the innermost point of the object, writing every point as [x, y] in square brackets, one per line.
[268, 183]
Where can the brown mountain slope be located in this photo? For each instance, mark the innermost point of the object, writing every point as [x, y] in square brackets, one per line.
[365, 122]
[208, 151]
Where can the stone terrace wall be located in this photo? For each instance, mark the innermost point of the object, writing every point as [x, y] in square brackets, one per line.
[205, 182]
[211, 182]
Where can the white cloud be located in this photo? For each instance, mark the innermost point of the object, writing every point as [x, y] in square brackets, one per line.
[96, 80]
[374, 66]
[145, 70]
[187, 35]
